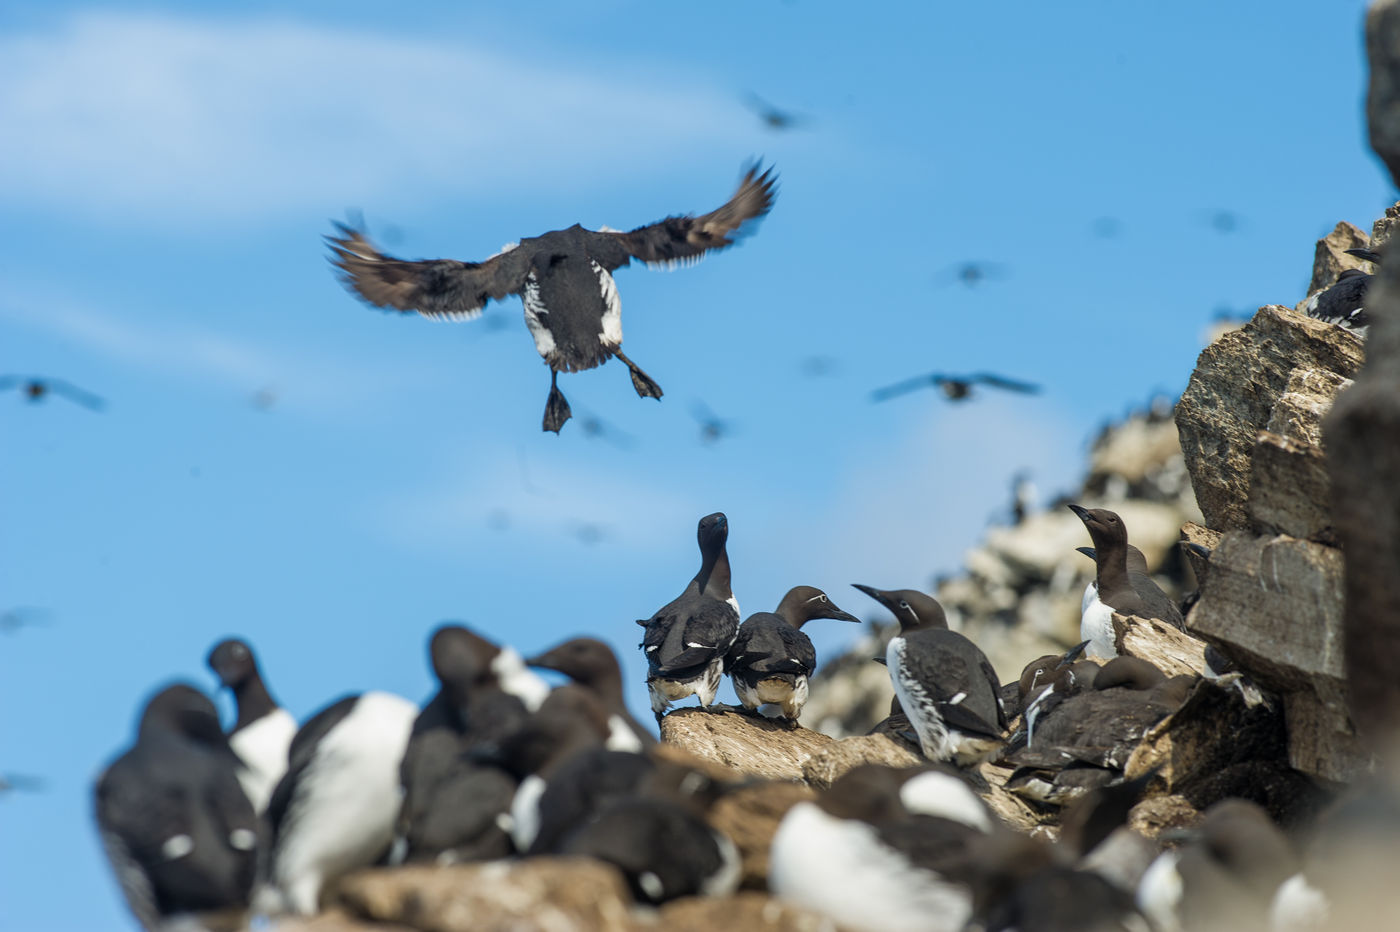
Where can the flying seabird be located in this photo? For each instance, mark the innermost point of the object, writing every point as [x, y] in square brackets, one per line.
[954, 387]
[37, 388]
[564, 279]
[1343, 303]
[771, 658]
[685, 642]
[178, 829]
[263, 731]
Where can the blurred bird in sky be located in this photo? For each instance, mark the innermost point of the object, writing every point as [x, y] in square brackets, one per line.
[819, 366]
[972, 273]
[563, 278]
[774, 118]
[713, 428]
[1221, 220]
[595, 428]
[954, 387]
[12, 619]
[21, 783]
[36, 389]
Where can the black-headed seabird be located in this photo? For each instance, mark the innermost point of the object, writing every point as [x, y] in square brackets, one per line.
[335, 808]
[1344, 303]
[943, 681]
[563, 277]
[771, 658]
[263, 731]
[863, 857]
[592, 664]
[685, 642]
[1115, 590]
[179, 831]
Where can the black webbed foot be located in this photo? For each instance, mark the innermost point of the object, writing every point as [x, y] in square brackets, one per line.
[644, 384]
[556, 409]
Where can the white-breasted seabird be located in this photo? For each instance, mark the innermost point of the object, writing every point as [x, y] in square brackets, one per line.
[335, 808]
[771, 658]
[944, 683]
[178, 829]
[263, 731]
[592, 664]
[1116, 589]
[1344, 303]
[564, 279]
[686, 641]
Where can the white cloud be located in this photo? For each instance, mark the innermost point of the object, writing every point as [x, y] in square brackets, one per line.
[129, 115]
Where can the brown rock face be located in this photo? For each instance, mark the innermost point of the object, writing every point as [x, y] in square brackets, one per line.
[752, 745]
[742, 911]
[1232, 394]
[827, 765]
[1331, 259]
[1169, 650]
[498, 896]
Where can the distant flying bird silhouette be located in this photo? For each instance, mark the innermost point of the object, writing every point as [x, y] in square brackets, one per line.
[36, 389]
[563, 278]
[713, 428]
[954, 387]
[595, 428]
[816, 367]
[1221, 220]
[21, 783]
[774, 118]
[11, 620]
[970, 274]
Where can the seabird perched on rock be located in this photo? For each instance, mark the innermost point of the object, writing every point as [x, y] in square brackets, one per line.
[954, 387]
[592, 665]
[1343, 304]
[178, 829]
[944, 683]
[563, 277]
[1116, 588]
[861, 856]
[685, 642]
[263, 731]
[335, 809]
[771, 658]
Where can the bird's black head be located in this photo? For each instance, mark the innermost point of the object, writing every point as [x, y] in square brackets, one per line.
[233, 662]
[182, 710]
[911, 608]
[581, 659]
[1104, 526]
[713, 531]
[803, 603]
[461, 659]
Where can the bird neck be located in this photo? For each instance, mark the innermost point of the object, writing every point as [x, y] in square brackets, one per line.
[713, 578]
[252, 699]
[1112, 573]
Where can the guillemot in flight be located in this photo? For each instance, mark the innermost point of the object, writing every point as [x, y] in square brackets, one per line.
[771, 658]
[592, 664]
[953, 387]
[178, 829]
[944, 683]
[335, 808]
[685, 642]
[1343, 303]
[263, 731]
[1115, 588]
[564, 279]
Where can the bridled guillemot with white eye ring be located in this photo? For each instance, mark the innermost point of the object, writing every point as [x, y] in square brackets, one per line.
[771, 658]
[563, 278]
[686, 641]
[263, 731]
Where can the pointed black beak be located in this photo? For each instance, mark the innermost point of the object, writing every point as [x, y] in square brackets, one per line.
[1089, 552]
[881, 661]
[834, 613]
[1081, 511]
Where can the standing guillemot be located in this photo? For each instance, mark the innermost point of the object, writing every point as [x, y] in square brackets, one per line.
[263, 731]
[563, 278]
[1115, 590]
[771, 658]
[1140, 578]
[178, 829]
[335, 808]
[452, 802]
[1343, 304]
[593, 665]
[943, 681]
[685, 642]
[861, 856]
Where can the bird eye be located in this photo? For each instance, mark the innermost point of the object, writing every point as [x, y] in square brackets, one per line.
[905, 605]
[822, 597]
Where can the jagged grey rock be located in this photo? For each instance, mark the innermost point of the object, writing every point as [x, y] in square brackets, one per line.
[1231, 396]
[1330, 258]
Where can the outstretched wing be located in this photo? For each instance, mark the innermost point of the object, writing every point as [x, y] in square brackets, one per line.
[677, 239]
[439, 288]
[997, 381]
[906, 386]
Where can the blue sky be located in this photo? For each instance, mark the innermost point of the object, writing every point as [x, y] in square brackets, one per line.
[167, 171]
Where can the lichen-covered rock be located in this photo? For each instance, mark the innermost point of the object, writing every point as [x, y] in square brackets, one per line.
[1232, 394]
[750, 744]
[742, 911]
[497, 896]
[749, 817]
